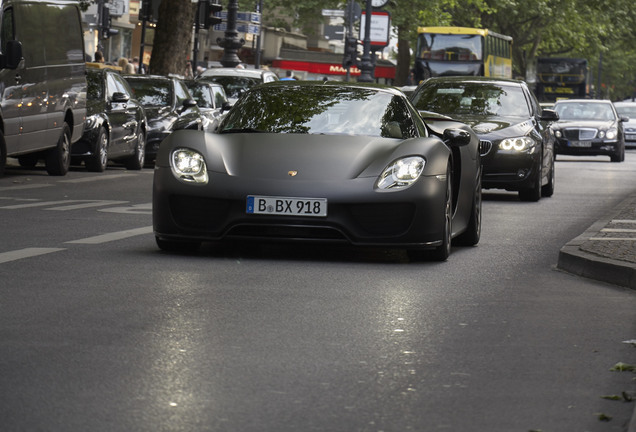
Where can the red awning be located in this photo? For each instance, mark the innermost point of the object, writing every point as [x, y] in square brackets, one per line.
[330, 68]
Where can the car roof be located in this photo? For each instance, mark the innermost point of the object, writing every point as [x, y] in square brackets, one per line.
[256, 73]
[353, 85]
[579, 101]
[475, 79]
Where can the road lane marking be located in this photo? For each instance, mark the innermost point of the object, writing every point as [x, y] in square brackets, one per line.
[120, 235]
[36, 204]
[612, 238]
[135, 209]
[26, 253]
[31, 186]
[86, 204]
[97, 178]
[619, 230]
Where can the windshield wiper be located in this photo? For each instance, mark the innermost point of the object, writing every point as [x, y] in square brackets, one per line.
[241, 130]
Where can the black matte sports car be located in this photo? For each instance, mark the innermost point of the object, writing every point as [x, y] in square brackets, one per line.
[589, 127]
[517, 145]
[328, 162]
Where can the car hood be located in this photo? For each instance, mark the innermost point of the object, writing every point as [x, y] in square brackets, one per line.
[497, 126]
[596, 124]
[311, 157]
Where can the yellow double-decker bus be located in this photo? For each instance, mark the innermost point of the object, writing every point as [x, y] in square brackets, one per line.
[443, 51]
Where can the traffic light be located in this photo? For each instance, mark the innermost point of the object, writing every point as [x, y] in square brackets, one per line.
[350, 52]
[106, 29]
[209, 11]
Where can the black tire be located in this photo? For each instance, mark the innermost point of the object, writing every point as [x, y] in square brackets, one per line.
[177, 246]
[58, 159]
[3, 155]
[137, 160]
[619, 156]
[548, 190]
[441, 252]
[471, 236]
[533, 193]
[99, 159]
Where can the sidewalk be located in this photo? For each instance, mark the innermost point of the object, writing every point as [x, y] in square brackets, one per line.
[606, 251]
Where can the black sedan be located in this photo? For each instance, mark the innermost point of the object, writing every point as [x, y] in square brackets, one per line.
[321, 162]
[517, 144]
[169, 107]
[115, 126]
[589, 127]
[211, 100]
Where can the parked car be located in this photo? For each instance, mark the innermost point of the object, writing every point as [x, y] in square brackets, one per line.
[337, 162]
[115, 126]
[211, 100]
[237, 81]
[628, 110]
[43, 81]
[589, 127]
[517, 144]
[168, 105]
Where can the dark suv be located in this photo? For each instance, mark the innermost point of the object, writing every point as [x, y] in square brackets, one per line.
[517, 145]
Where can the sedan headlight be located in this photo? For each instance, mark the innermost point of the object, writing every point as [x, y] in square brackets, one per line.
[91, 122]
[189, 166]
[402, 173]
[610, 134]
[519, 144]
[557, 133]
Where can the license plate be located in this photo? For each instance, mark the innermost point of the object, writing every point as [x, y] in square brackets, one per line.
[286, 206]
[630, 137]
[580, 143]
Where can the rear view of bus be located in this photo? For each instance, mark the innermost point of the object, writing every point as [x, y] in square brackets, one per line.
[462, 51]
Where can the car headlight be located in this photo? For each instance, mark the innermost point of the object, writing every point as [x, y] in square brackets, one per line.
[610, 134]
[558, 134]
[189, 166]
[401, 173]
[91, 122]
[517, 144]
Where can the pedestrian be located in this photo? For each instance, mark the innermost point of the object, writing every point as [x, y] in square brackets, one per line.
[289, 76]
[187, 73]
[99, 57]
[124, 65]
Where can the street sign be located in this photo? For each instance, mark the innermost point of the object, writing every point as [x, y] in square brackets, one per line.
[380, 28]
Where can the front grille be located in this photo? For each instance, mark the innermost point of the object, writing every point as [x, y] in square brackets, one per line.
[484, 147]
[580, 134]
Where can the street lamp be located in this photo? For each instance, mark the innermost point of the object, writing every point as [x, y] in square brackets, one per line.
[231, 43]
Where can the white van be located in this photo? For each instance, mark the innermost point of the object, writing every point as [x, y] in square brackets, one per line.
[42, 82]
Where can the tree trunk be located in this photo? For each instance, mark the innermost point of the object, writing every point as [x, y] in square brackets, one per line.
[171, 47]
[403, 60]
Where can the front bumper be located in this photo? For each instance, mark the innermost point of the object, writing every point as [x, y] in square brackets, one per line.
[510, 170]
[596, 147]
[357, 214]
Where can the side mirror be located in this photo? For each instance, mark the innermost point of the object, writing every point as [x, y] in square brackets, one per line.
[456, 137]
[12, 55]
[549, 115]
[120, 97]
[225, 106]
[189, 103]
[624, 119]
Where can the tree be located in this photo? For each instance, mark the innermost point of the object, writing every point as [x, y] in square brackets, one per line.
[173, 37]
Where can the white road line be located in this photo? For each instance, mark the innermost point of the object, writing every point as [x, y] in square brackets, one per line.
[36, 204]
[134, 209]
[86, 205]
[619, 230]
[104, 238]
[97, 178]
[26, 253]
[623, 221]
[31, 186]
[613, 239]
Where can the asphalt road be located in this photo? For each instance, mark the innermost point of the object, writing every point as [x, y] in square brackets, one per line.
[100, 331]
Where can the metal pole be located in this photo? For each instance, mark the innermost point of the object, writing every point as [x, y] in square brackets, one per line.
[142, 43]
[257, 59]
[231, 42]
[366, 66]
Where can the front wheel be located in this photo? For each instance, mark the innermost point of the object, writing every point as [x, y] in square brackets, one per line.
[533, 193]
[99, 159]
[58, 159]
[548, 190]
[471, 236]
[3, 154]
[136, 161]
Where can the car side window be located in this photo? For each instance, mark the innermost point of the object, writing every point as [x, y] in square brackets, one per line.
[111, 86]
[219, 97]
[7, 32]
[121, 85]
[181, 92]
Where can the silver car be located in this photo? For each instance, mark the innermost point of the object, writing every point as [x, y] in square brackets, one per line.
[628, 109]
[236, 81]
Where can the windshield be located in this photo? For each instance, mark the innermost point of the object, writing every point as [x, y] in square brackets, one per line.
[584, 111]
[202, 94]
[481, 99]
[321, 110]
[152, 93]
[234, 85]
[627, 110]
[435, 46]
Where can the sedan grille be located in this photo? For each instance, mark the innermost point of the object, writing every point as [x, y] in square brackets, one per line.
[484, 147]
[580, 134]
